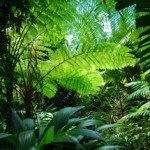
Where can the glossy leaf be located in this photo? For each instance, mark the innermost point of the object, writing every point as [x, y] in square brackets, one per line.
[29, 124]
[62, 117]
[89, 122]
[26, 140]
[108, 126]
[86, 133]
[17, 122]
[110, 147]
[47, 137]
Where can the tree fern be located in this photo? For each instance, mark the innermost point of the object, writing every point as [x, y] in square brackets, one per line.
[43, 58]
[79, 70]
[142, 41]
[141, 23]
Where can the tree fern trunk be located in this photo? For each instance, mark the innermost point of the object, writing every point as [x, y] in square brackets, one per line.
[9, 81]
[9, 92]
[28, 103]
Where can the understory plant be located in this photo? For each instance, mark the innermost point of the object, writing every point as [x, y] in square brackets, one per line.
[136, 135]
[63, 131]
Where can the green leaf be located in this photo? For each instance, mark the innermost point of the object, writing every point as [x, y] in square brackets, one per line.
[65, 138]
[83, 83]
[144, 107]
[26, 140]
[89, 122]
[72, 122]
[4, 135]
[47, 137]
[17, 122]
[87, 133]
[11, 139]
[29, 124]
[49, 89]
[62, 117]
[110, 147]
[108, 126]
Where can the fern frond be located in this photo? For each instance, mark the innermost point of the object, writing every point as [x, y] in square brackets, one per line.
[145, 106]
[48, 89]
[141, 88]
[134, 115]
[137, 84]
[78, 70]
[140, 92]
[84, 84]
[75, 68]
[110, 56]
[144, 111]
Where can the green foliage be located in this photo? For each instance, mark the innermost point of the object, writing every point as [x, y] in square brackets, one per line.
[79, 69]
[142, 33]
[44, 59]
[142, 111]
[141, 89]
[60, 132]
[40, 57]
[136, 134]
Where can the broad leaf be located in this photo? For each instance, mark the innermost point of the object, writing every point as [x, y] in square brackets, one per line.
[86, 133]
[108, 126]
[9, 138]
[62, 117]
[29, 124]
[110, 147]
[26, 140]
[47, 137]
[17, 122]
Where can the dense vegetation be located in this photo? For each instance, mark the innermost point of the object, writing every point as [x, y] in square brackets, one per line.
[75, 74]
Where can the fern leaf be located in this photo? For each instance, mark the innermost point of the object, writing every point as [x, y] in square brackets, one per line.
[140, 92]
[85, 83]
[146, 106]
[77, 70]
[141, 89]
[134, 115]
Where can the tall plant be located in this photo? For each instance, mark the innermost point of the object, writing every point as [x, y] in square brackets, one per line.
[39, 45]
[141, 38]
[13, 14]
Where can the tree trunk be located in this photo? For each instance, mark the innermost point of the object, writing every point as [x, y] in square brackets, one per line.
[28, 103]
[9, 82]
[9, 92]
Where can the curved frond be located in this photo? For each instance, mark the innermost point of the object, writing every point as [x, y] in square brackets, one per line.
[144, 111]
[145, 106]
[84, 84]
[141, 88]
[134, 115]
[78, 70]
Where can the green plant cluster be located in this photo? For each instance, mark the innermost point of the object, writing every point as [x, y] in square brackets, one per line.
[60, 132]
[56, 56]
